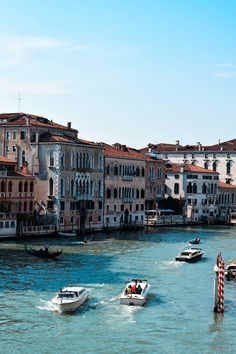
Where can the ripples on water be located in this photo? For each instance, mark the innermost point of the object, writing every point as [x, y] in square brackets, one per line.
[177, 318]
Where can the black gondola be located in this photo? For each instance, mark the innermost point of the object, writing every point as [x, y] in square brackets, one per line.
[43, 252]
[196, 241]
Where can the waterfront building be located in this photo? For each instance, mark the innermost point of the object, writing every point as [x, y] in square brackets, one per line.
[197, 187]
[124, 195]
[154, 182]
[220, 157]
[17, 194]
[68, 170]
[226, 202]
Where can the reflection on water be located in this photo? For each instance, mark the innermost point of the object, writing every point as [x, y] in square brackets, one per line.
[177, 318]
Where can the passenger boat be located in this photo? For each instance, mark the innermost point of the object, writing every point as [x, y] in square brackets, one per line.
[43, 252]
[70, 298]
[190, 255]
[196, 241]
[92, 241]
[135, 298]
[230, 270]
[67, 233]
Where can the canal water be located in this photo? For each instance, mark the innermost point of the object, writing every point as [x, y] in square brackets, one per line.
[177, 318]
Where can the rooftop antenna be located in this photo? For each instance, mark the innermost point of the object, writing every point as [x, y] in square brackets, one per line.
[19, 101]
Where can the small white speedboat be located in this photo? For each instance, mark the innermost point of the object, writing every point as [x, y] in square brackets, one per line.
[230, 270]
[137, 298]
[190, 255]
[70, 298]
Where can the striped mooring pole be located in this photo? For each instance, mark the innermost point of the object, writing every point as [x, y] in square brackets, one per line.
[219, 285]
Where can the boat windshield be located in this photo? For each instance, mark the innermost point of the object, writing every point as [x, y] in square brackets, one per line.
[66, 295]
[185, 253]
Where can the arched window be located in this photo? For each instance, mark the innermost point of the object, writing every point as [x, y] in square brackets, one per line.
[23, 156]
[142, 193]
[10, 187]
[19, 207]
[3, 186]
[214, 166]
[87, 187]
[62, 188]
[91, 187]
[25, 206]
[99, 188]
[108, 169]
[62, 160]
[194, 188]
[108, 193]
[31, 206]
[206, 165]
[31, 187]
[72, 160]
[115, 170]
[26, 187]
[20, 187]
[137, 171]
[50, 186]
[51, 160]
[77, 188]
[204, 188]
[143, 171]
[115, 193]
[72, 188]
[77, 160]
[228, 167]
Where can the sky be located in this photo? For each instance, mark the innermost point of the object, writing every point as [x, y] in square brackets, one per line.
[127, 71]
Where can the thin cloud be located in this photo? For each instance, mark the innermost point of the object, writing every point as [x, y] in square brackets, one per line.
[35, 88]
[223, 65]
[224, 74]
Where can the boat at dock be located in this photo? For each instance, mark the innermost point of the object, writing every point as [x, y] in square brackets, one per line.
[93, 241]
[43, 252]
[70, 298]
[190, 255]
[67, 233]
[137, 297]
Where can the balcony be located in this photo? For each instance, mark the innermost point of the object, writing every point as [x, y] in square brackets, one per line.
[152, 179]
[84, 196]
[3, 173]
[127, 178]
[127, 200]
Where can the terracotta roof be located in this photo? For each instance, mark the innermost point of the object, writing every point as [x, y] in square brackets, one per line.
[63, 138]
[122, 151]
[229, 145]
[176, 168]
[30, 119]
[226, 185]
[4, 159]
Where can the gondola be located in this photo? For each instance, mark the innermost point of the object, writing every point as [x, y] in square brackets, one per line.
[43, 252]
[196, 241]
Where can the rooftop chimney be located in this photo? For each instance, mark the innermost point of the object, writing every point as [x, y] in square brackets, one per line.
[199, 145]
[69, 125]
[177, 145]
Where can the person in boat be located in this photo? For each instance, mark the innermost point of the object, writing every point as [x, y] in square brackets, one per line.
[134, 287]
[46, 249]
[138, 289]
[128, 290]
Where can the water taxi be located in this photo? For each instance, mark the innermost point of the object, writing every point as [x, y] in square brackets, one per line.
[70, 298]
[190, 255]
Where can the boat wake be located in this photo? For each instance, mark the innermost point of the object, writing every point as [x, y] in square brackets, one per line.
[46, 306]
[170, 264]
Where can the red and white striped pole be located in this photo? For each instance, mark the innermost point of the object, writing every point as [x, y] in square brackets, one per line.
[219, 285]
[221, 276]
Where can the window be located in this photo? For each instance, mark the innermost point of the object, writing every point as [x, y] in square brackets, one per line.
[122, 207]
[137, 207]
[8, 135]
[20, 187]
[31, 187]
[142, 193]
[108, 170]
[10, 186]
[177, 177]
[51, 162]
[62, 205]
[50, 186]
[228, 167]
[100, 204]
[14, 148]
[14, 135]
[115, 207]
[22, 135]
[115, 193]
[214, 166]
[176, 188]
[108, 193]
[142, 207]
[7, 148]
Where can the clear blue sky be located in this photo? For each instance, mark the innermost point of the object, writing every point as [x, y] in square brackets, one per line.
[127, 71]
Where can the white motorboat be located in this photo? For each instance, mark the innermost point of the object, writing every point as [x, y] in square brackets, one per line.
[230, 270]
[70, 298]
[135, 293]
[190, 255]
[93, 241]
[67, 233]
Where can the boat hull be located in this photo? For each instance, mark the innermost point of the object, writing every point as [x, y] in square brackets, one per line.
[189, 260]
[69, 306]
